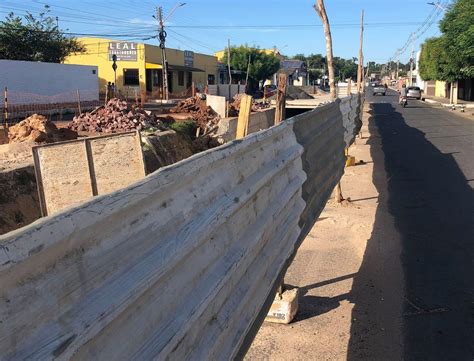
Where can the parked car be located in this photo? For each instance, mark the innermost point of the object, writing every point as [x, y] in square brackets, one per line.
[414, 92]
[379, 89]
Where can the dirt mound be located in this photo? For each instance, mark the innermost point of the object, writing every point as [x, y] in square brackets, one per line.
[234, 105]
[38, 129]
[115, 117]
[204, 116]
[293, 92]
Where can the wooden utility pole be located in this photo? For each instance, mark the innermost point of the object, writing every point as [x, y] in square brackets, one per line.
[280, 99]
[321, 11]
[162, 37]
[228, 61]
[247, 76]
[360, 68]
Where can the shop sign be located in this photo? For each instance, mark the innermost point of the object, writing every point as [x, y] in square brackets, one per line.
[188, 58]
[124, 50]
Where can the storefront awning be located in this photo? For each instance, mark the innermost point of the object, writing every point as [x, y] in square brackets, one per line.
[153, 66]
[184, 68]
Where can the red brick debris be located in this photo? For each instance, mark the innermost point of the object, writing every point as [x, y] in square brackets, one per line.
[116, 116]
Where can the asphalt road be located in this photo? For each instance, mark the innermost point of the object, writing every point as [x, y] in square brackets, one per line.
[430, 178]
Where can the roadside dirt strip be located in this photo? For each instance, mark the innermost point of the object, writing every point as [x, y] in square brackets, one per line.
[351, 288]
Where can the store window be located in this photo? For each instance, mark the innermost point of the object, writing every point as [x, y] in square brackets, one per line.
[131, 77]
[181, 78]
[211, 79]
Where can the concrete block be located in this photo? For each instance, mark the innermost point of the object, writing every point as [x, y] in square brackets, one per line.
[284, 309]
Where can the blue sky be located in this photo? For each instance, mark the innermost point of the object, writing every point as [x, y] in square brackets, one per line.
[290, 25]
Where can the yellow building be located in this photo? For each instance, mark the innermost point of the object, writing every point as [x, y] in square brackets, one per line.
[139, 66]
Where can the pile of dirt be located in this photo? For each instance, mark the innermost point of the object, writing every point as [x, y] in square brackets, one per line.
[38, 129]
[293, 93]
[234, 105]
[115, 117]
[204, 116]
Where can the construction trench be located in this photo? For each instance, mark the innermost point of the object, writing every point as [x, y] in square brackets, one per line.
[183, 236]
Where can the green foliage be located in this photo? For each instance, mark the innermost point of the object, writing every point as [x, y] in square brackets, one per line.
[458, 32]
[433, 59]
[316, 63]
[188, 128]
[451, 56]
[262, 65]
[35, 39]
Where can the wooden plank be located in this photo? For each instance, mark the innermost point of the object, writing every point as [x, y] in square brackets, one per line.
[62, 175]
[117, 161]
[244, 115]
[71, 172]
[280, 99]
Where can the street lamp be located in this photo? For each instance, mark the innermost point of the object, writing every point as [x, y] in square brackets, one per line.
[438, 5]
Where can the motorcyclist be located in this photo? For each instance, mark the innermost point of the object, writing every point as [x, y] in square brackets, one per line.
[403, 93]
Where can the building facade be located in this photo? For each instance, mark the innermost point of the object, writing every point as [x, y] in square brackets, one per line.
[139, 66]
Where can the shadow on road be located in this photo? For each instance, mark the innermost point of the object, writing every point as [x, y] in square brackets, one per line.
[429, 294]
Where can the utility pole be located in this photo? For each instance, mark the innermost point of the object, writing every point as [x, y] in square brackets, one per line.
[360, 68]
[398, 63]
[411, 57]
[247, 76]
[228, 61]
[162, 37]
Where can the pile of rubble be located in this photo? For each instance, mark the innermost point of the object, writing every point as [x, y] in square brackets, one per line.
[234, 105]
[36, 128]
[293, 92]
[204, 116]
[115, 117]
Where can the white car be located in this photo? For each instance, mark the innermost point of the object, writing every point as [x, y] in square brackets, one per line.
[414, 92]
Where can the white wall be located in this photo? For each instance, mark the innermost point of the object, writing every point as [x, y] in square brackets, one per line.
[31, 82]
[226, 91]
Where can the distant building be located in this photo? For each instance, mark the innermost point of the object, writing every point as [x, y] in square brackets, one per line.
[140, 66]
[296, 70]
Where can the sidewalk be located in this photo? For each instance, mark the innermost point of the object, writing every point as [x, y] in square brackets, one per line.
[444, 102]
[350, 294]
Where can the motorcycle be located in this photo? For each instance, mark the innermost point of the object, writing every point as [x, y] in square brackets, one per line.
[403, 101]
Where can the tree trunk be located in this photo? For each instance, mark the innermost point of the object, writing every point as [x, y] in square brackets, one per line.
[321, 11]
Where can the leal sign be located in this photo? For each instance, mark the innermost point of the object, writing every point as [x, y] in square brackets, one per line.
[124, 50]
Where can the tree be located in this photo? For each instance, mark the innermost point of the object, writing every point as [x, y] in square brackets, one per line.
[457, 27]
[321, 11]
[35, 39]
[433, 59]
[451, 56]
[262, 65]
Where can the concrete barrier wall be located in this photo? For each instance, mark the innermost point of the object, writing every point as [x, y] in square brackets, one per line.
[32, 82]
[257, 121]
[226, 90]
[181, 265]
[217, 103]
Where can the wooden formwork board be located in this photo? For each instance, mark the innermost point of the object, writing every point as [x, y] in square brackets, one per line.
[69, 173]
